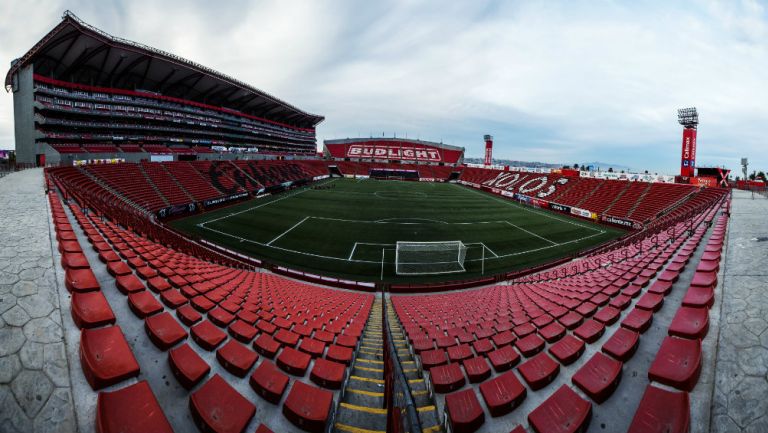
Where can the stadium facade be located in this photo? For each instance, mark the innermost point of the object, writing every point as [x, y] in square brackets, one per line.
[394, 149]
[80, 93]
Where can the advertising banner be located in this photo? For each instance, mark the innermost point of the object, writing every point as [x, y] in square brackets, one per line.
[220, 200]
[622, 222]
[581, 212]
[560, 207]
[688, 162]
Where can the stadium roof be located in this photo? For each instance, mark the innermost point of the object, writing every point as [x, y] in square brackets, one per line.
[401, 140]
[77, 52]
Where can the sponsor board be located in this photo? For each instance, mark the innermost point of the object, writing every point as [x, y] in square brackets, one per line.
[393, 152]
[176, 210]
[581, 212]
[220, 200]
[560, 207]
[427, 179]
[621, 222]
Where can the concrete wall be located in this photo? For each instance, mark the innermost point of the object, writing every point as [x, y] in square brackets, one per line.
[24, 118]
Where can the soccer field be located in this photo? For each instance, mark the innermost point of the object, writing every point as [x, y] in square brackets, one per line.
[349, 228]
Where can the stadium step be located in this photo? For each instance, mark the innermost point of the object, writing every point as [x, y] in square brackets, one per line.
[361, 409]
[426, 407]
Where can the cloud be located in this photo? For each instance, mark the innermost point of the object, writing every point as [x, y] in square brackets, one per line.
[552, 81]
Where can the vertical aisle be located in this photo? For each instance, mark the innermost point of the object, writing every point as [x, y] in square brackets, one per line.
[422, 398]
[362, 403]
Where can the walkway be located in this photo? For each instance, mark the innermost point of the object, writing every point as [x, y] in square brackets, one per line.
[35, 389]
[741, 375]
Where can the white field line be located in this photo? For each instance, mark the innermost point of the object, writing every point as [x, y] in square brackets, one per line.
[532, 233]
[286, 232]
[542, 213]
[260, 205]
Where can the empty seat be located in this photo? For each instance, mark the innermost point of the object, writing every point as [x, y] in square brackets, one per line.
[158, 284]
[221, 317]
[327, 374]
[106, 357]
[188, 315]
[662, 411]
[459, 353]
[308, 407]
[464, 411]
[433, 358]
[677, 364]
[704, 279]
[447, 378]
[133, 409]
[312, 347]
[590, 331]
[293, 362]
[91, 310]
[568, 349]
[660, 287]
[638, 320]
[530, 345]
[266, 346]
[698, 296]
[164, 330]
[242, 331]
[80, 280]
[207, 335]
[503, 393]
[129, 284]
[144, 304]
[188, 367]
[607, 315]
[690, 322]
[563, 412]
[346, 340]
[650, 301]
[269, 382]
[173, 298]
[477, 369]
[504, 358]
[482, 346]
[118, 268]
[236, 358]
[503, 338]
[571, 320]
[598, 377]
[339, 354]
[552, 332]
[218, 407]
[539, 371]
[74, 261]
[622, 344]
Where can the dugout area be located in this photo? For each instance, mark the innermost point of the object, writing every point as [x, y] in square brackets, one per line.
[350, 231]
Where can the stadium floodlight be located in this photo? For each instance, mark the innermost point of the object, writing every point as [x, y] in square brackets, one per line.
[688, 117]
[429, 258]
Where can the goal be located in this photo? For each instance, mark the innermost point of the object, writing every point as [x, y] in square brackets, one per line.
[425, 258]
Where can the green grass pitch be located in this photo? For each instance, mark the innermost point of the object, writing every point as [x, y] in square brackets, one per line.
[345, 230]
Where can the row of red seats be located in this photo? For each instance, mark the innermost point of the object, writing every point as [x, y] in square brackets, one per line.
[303, 328]
[499, 324]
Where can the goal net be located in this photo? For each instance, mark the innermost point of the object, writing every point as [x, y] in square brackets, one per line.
[424, 258]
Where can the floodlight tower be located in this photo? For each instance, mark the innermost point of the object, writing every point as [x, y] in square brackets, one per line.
[744, 167]
[689, 118]
[488, 149]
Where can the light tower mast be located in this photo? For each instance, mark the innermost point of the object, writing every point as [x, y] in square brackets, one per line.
[689, 118]
[488, 149]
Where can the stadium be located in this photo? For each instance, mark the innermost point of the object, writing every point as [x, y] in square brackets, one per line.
[177, 255]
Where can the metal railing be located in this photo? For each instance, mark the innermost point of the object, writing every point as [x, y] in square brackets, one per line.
[402, 416]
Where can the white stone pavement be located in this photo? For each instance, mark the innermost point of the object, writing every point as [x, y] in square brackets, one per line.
[740, 401]
[35, 390]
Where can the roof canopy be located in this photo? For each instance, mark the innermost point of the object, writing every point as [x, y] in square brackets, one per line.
[77, 52]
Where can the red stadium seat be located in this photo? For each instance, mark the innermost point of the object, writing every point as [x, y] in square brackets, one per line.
[80, 280]
[477, 369]
[662, 411]
[563, 412]
[144, 304]
[539, 371]
[308, 407]
[327, 374]
[339, 354]
[447, 378]
[530, 345]
[106, 357]
[91, 310]
[293, 362]
[269, 382]
[236, 358]
[218, 407]
[504, 358]
[188, 367]
[207, 335]
[690, 322]
[622, 344]
[129, 284]
[164, 330]
[266, 345]
[242, 331]
[133, 409]
[433, 358]
[598, 377]
[503, 393]
[568, 349]
[638, 320]
[677, 364]
[464, 411]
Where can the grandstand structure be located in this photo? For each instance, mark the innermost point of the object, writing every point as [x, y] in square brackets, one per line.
[82, 94]
[156, 330]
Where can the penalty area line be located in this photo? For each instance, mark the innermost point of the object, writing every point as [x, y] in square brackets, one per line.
[287, 231]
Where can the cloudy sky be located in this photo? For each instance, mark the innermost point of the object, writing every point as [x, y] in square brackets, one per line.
[561, 82]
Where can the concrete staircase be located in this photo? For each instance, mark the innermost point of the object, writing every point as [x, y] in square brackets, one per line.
[361, 409]
[422, 397]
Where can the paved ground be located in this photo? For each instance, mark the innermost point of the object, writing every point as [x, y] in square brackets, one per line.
[741, 372]
[35, 390]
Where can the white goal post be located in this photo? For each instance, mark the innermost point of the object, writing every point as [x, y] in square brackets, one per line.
[428, 258]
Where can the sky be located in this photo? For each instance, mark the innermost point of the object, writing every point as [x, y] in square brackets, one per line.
[556, 81]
